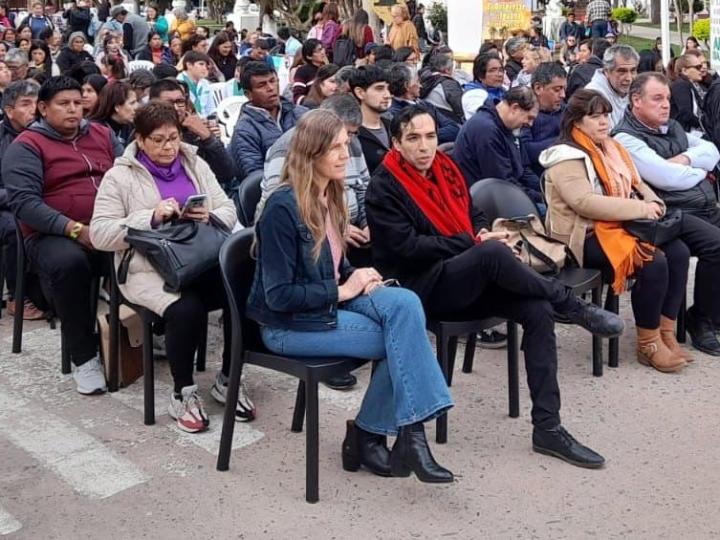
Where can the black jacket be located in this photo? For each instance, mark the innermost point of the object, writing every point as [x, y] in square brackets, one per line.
[68, 59]
[213, 151]
[682, 95]
[581, 75]
[512, 69]
[451, 89]
[373, 150]
[711, 108]
[406, 245]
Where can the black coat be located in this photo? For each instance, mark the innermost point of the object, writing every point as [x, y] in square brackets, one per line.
[373, 150]
[68, 59]
[682, 95]
[581, 75]
[405, 245]
[711, 109]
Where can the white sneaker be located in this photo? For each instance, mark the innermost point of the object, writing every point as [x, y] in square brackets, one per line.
[189, 411]
[90, 377]
[245, 410]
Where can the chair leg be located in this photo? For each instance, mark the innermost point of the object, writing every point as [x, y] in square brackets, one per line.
[312, 448]
[612, 303]
[452, 353]
[228, 427]
[299, 413]
[113, 374]
[443, 346]
[469, 353]
[681, 321]
[513, 376]
[3, 262]
[149, 375]
[597, 358]
[19, 299]
[202, 352]
[65, 366]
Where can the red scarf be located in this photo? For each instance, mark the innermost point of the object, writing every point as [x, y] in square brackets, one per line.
[445, 201]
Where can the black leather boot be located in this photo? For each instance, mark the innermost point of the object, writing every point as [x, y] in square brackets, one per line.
[411, 453]
[361, 448]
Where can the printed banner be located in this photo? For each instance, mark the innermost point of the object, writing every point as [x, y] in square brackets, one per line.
[715, 34]
[501, 17]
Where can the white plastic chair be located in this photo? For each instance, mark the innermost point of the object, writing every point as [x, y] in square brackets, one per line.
[218, 91]
[228, 112]
[140, 64]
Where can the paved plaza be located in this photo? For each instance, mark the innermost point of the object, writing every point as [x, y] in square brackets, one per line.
[78, 467]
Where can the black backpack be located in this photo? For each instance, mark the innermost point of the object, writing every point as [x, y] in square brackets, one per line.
[343, 53]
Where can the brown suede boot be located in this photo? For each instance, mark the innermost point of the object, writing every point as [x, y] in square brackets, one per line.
[651, 351]
[667, 334]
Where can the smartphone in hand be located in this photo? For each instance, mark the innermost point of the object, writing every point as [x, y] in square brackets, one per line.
[194, 201]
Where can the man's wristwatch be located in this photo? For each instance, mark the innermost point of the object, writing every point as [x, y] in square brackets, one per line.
[76, 230]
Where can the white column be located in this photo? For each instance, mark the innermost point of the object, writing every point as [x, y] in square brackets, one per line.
[665, 30]
[465, 23]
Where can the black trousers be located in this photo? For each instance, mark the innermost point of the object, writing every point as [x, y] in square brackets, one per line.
[487, 280]
[185, 321]
[66, 269]
[660, 285]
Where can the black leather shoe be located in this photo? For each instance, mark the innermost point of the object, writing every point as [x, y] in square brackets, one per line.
[559, 443]
[362, 448]
[346, 381]
[702, 333]
[411, 453]
[595, 320]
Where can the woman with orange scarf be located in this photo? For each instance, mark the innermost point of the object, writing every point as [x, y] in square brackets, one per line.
[592, 187]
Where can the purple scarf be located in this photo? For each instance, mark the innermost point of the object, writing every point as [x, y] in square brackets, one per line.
[171, 180]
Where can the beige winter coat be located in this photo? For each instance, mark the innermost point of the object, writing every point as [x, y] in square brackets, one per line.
[575, 198]
[127, 197]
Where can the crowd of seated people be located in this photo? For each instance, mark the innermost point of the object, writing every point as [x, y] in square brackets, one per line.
[365, 227]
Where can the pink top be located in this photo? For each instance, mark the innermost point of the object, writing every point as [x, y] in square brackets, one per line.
[334, 240]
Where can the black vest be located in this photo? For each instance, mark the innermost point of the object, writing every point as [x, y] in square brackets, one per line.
[666, 145]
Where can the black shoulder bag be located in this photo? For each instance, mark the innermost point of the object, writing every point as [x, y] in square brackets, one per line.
[657, 231]
[180, 252]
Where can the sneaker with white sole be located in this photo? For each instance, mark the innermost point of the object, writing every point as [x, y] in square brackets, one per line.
[189, 410]
[90, 377]
[245, 409]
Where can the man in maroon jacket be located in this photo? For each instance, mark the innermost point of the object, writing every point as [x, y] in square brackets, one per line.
[52, 172]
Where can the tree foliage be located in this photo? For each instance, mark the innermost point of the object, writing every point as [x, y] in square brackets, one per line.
[701, 30]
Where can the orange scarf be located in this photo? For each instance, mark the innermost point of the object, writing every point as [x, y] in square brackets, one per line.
[626, 253]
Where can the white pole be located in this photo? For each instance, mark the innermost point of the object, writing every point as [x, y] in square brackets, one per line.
[665, 30]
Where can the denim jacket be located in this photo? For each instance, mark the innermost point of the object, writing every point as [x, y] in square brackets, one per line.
[291, 290]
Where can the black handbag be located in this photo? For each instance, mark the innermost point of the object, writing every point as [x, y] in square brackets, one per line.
[657, 231]
[180, 252]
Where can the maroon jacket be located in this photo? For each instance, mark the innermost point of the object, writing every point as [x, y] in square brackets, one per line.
[52, 180]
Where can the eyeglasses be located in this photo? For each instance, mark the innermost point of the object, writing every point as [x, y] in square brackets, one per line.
[162, 141]
[182, 103]
[696, 66]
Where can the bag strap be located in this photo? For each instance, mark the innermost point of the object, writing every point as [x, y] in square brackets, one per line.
[535, 252]
[124, 266]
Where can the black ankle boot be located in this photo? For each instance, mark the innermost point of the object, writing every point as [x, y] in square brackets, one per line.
[411, 453]
[361, 448]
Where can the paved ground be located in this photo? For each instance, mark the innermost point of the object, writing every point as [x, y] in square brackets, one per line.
[86, 467]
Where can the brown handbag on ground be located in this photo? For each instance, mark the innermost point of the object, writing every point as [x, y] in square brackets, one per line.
[130, 361]
[527, 237]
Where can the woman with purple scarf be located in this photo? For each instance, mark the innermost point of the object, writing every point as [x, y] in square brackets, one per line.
[147, 187]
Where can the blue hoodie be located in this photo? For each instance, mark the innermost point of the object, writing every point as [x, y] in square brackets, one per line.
[485, 148]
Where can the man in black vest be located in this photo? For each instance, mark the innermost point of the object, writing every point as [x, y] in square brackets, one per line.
[676, 165]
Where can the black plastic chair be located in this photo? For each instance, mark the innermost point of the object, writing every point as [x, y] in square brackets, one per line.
[249, 194]
[237, 269]
[448, 148]
[446, 337]
[3, 274]
[18, 321]
[498, 198]
[149, 319]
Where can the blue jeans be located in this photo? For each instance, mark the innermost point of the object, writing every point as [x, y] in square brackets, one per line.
[599, 28]
[389, 324]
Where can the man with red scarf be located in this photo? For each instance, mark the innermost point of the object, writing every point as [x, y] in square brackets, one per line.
[427, 235]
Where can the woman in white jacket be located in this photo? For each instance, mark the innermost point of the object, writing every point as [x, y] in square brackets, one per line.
[148, 185]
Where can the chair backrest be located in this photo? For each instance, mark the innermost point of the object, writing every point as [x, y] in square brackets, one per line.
[238, 268]
[139, 64]
[249, 194]
[218, 92]
[228, 112]
[501, 199]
